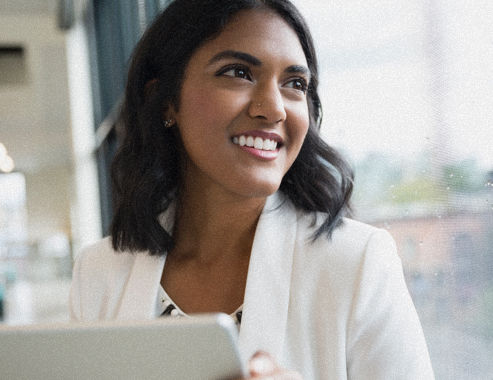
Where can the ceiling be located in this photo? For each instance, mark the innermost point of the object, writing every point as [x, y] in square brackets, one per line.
[34, 114]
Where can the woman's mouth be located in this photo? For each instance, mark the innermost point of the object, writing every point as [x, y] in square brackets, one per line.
[261, 145]
[256, 142]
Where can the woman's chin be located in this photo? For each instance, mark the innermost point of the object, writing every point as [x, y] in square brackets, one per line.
[259, 189]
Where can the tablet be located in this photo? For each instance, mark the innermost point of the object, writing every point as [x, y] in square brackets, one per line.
[201, 347]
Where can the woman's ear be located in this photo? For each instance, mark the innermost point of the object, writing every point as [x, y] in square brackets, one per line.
[169, 116]
[150, 87]
[169, 113]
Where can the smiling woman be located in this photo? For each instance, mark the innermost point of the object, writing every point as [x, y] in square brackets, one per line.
[228, 200]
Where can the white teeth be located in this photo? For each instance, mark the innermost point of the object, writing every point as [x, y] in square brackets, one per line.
[270, 145]
[257, 142]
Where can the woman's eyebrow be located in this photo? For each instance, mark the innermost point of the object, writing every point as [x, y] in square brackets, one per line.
[298, 69]
[236, 54]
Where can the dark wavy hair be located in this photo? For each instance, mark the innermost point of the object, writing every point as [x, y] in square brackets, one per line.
[146, 169]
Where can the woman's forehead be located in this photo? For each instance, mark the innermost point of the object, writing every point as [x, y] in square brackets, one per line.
[258, 32]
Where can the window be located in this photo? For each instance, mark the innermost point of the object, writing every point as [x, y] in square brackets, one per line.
[33, 274]
[406, 91]
[13, 214]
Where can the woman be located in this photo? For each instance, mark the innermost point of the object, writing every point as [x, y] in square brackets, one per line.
[228, 200]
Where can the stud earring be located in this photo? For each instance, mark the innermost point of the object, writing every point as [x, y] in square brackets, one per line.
[168, 123]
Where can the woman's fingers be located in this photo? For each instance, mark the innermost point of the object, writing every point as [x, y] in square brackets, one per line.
[262, 364]
[281, 374]
[263, 367]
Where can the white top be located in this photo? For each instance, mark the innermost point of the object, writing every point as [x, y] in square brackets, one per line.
[331, 309]
[166, 307]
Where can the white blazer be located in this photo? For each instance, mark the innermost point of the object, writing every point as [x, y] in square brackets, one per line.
[331, 309]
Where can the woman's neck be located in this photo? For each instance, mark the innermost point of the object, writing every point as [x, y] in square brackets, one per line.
[210, 225]
[214, 230]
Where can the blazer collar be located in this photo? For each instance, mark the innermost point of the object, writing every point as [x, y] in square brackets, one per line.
[140, 294]
[266, 301]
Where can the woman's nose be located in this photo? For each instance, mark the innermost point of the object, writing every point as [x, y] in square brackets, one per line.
[268, 104]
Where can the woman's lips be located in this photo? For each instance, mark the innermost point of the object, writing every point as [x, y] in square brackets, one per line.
[268, 155]
[261, 144]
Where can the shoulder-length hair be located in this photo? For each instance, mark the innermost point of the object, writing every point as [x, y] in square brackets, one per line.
[146, 169]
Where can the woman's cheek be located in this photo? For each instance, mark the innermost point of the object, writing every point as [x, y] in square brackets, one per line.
[213, 108]
[198, 105]
[299, 124]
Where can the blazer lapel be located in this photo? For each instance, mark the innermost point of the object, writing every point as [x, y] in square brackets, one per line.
[266, 301]
[139, 296]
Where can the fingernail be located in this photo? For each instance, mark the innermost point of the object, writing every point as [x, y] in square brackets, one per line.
[261, 364]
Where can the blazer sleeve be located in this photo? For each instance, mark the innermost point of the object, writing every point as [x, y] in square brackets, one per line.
[385, 339]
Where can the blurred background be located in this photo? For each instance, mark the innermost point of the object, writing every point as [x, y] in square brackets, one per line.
[407, 92]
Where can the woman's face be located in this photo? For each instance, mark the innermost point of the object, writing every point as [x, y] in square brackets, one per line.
[243, 111]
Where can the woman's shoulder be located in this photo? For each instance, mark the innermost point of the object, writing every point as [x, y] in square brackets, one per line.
[97, 251]
[353, 233]
[98, 278]
[100, 247]
[350, 227]
[99, 256]
[350, 245]
[348, 233]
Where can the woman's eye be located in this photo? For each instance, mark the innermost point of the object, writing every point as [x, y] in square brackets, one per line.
[237, 72]
[298, 84]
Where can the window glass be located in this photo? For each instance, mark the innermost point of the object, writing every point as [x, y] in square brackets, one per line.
[34, 275]
[406, 92]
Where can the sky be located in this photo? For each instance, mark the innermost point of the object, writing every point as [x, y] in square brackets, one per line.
[400, 76]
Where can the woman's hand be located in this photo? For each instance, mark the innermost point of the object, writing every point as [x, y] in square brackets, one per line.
[263, 367]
